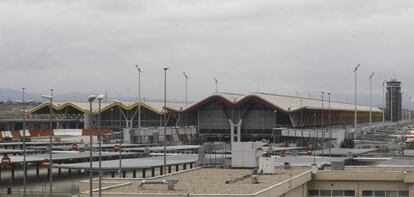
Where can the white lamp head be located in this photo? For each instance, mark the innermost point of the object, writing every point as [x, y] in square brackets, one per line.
[91, 98]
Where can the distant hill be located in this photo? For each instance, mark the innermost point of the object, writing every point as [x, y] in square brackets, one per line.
[12, 95]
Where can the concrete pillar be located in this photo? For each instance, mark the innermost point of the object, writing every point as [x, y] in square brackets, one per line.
[169, 169]
[12, 172]
[239, 130]
[231, 131]
[185, 166]
[177, 168]
[124, 173]
[37, 170]
[153, 172]
[143, 173]
[411, 190]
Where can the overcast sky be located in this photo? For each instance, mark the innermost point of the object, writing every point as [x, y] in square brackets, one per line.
[248, 45]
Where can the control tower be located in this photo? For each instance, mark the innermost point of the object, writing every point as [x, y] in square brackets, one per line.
[393, 105]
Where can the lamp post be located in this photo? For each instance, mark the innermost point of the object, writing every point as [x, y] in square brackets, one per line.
[186, 88]
[301, 121]
[91, 98]
[356, 99]
[24, 102]
[139, 98]
[408, 107]
[329, 122]
[120, 142]
[216, 82]
[323, 124]
[50, 99]
[370, 98]
[383, 102]
[165, 119]
[99, 134]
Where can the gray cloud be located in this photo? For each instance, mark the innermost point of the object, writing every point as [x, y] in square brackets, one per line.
[272, 46]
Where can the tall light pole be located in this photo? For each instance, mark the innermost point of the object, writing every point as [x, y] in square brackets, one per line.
[329, 122]
[409, 108]
[383, 102]
[186, 88]
[139, 98]
[356, 99]
[91, 98]
[322, 124]
[216, 82]
[50, 99]
[24, 102]
[165, 119]
[100, 98]
[301, 121]
[120, 140]
[370, 98]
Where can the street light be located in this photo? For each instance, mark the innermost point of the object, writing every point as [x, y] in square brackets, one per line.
[329, 122]
[370, 98]
[383, 102]
[186, 88]
[139, 98]
[408, 108]
[322, 125]
[356, 99]
[50, 99]
[216, 82]
[120, 140]
[100, 98]
[24, 102]
[91, 98]
[165, 119]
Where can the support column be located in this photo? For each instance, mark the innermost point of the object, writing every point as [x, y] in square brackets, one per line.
[12, 172]
[169, 169]
[153, 172]
[231, 131]
[239, 130]
[177, 168]
[143, 173]
[37, 169]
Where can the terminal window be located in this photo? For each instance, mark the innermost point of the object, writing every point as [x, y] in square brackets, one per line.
[333, 193]
[384, 193]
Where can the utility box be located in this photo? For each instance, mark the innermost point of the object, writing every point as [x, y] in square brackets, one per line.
[337, 165]
[244, 154]
[267, 165]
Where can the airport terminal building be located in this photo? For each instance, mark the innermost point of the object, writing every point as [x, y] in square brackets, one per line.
[248, 117]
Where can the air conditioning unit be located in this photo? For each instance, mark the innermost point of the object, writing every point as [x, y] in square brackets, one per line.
[244, 155]
[267, 165]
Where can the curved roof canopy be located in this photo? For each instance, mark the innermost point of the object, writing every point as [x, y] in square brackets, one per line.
[279, 102]
[154, 106]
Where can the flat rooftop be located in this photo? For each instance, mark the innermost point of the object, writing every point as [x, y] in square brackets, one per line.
[210, 181]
